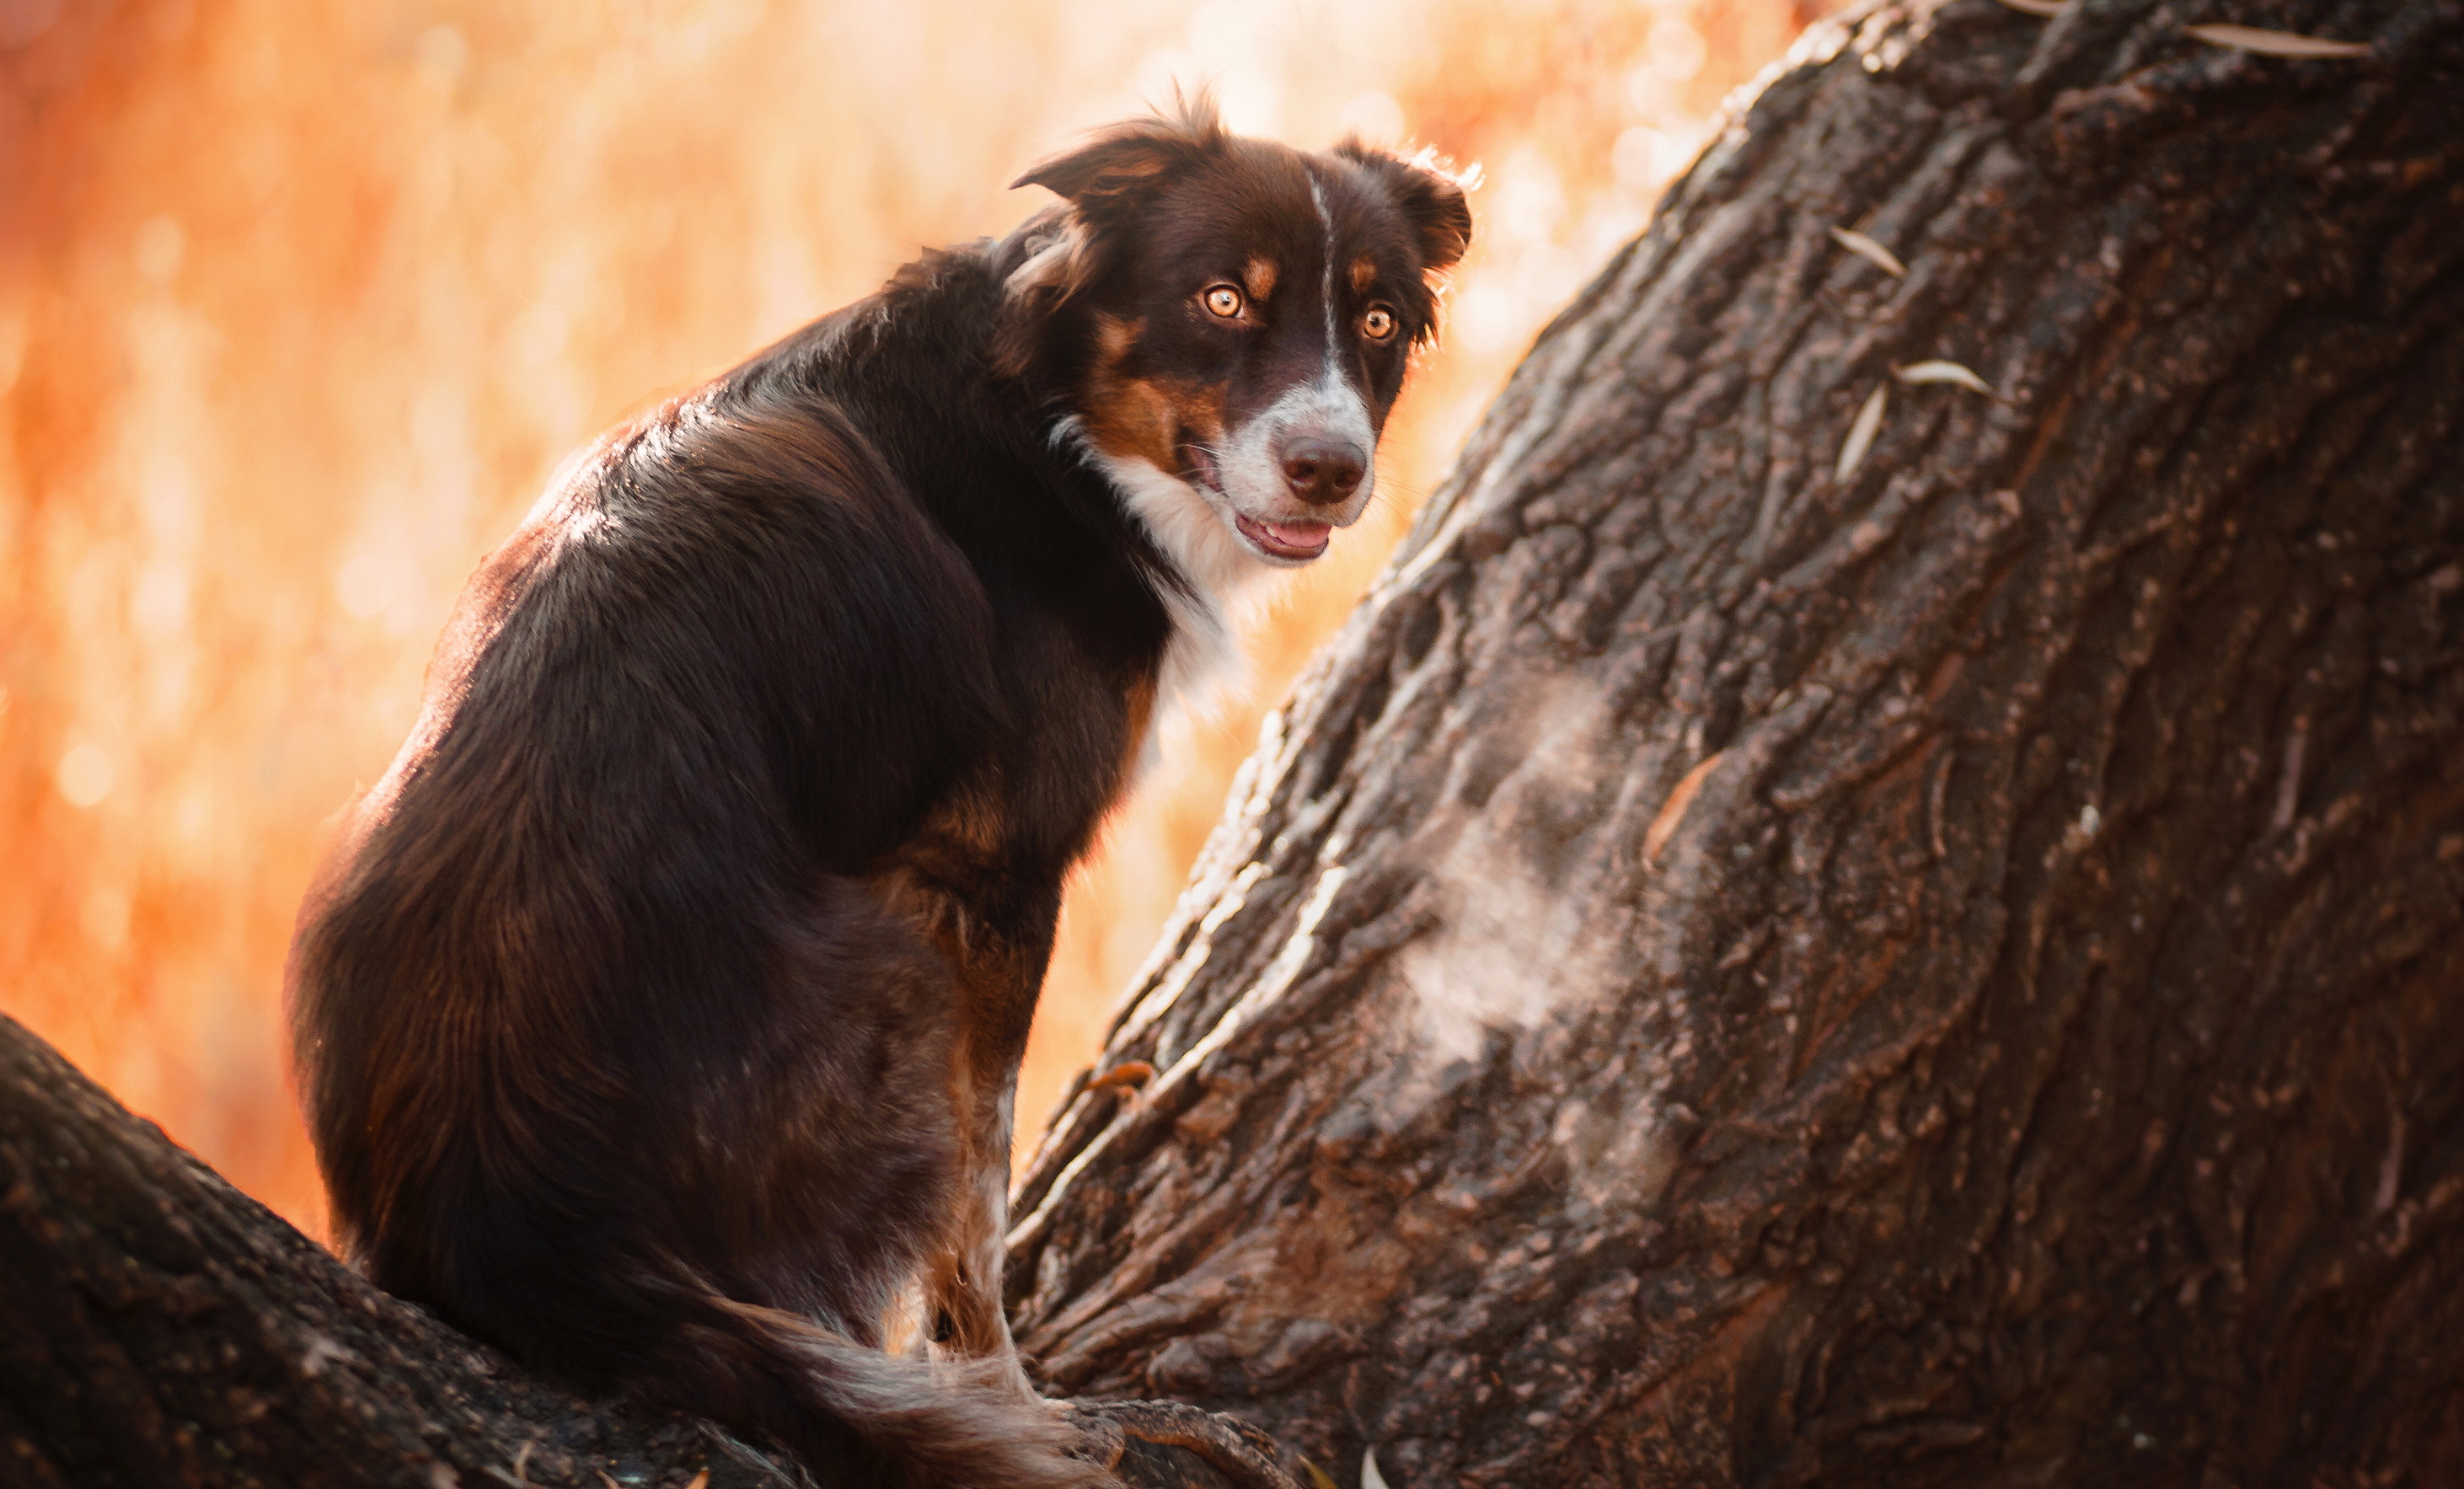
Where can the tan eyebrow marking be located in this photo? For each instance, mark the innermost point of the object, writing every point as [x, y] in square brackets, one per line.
[1364, 273]
[1259, 275]
[1115, 336]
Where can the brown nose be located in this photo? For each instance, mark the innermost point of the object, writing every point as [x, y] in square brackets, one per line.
[1322, 469]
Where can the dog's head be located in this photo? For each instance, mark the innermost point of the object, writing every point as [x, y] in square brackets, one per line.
[1229, 321]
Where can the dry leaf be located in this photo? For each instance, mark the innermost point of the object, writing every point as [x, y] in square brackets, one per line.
[1672, 812]
[1131, 1073]
[2035, 7]
[2273, 43]
[1942, 372]
[519, 1478]
[1319, 1478]
[1871, 251]
[1370, 1478]
[1860, 434]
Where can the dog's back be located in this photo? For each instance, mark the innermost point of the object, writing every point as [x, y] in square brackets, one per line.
[600, 1026]
[659, 1020]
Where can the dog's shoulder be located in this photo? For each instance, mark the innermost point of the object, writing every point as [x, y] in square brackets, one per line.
[736, 602]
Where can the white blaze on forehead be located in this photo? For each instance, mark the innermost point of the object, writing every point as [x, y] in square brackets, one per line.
[1325, 222]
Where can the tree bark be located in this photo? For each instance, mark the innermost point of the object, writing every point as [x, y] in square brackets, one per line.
[1735, 969]
[158, 1327]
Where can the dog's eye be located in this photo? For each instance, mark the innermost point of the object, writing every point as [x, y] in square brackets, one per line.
[1223, 300]
[1378, 324]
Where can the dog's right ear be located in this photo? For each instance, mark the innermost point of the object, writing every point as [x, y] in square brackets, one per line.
[1117, 167]
[1430, 196]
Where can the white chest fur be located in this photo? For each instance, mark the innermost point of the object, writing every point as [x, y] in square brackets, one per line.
[1202, 662]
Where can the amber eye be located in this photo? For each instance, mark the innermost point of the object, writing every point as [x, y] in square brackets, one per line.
[1223, 300]
[1378, 324]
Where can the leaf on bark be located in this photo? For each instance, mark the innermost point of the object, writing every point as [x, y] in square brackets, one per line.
[1939, 371]
[1860, 434]
[1871, 251]
[2273, 43]
[1370, 1477]
[1672, 814]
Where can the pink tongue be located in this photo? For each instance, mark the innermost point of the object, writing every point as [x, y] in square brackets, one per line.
[1296, 535]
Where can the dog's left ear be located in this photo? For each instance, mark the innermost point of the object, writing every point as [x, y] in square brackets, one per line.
[1433, 203]
[1118, 166]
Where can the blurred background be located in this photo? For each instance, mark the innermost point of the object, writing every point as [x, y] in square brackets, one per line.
[301, 302]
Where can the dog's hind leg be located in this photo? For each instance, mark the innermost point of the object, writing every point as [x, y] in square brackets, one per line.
[963, 1284]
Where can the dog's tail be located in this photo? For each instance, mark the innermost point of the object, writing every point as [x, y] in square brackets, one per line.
[852, 1415]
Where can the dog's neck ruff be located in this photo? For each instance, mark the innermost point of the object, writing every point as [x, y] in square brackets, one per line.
[1224, 579]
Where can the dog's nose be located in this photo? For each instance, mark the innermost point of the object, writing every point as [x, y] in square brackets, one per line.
[1322, 469]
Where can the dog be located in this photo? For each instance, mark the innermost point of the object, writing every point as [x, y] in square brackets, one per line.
[658, 1016]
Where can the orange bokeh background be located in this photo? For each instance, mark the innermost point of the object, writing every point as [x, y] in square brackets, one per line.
[301, 302]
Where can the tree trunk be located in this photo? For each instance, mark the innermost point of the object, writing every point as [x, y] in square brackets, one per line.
[1747, 963]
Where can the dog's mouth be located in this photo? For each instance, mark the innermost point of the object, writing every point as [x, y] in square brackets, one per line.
[1297, 540]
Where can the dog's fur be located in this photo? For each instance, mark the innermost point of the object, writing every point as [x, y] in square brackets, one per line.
[659, 1017]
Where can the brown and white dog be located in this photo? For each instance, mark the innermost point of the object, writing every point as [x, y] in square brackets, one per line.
[659, 1018]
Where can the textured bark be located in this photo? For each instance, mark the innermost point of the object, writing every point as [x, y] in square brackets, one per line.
[158, 1327]
[1724, 974]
